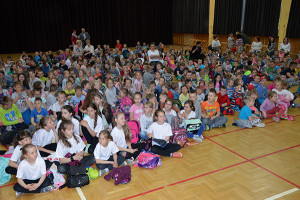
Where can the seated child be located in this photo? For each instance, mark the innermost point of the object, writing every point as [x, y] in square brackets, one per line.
[125, 102]
[56, 108]
[197, 104]
[246, 118]
[31, 174]
[211, 112]
[146, 119]
[69, 90]
[11, 119]
[166, 89]
[184, 96]
[200, 94]
[51, 99]
[37, 114]
[224, 101]
[262, 90]
[78, 97]
[38, 93]
[169, 112]
[162, 131]
[236, 102]
[283, 94]
[105, 154]
[272, 108]
[136, 109]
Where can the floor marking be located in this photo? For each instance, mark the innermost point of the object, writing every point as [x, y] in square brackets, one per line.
[80, 193]
[7, 185]
[282, 194]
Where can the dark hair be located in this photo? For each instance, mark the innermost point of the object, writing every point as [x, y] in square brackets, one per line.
[69, 109]
[38, 99]
[6, 100]
[92, 105]
[53, 88]
[223, 87]
[20, 136]
[191, 104]
[89, 97]
[62, 127]
[84, 82]
[215, 81]
[213, 91]
[156, 114]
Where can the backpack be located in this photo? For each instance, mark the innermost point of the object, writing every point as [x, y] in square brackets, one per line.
[135, 129]
[177, 103]
[77, 111]
[76, 177]
[148, 160]
[192, 125]
[57, 179]
[179, 136]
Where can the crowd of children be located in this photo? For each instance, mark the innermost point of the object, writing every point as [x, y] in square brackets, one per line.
[62, 101]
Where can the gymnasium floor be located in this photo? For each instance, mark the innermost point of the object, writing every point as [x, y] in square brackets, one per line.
[231, 163]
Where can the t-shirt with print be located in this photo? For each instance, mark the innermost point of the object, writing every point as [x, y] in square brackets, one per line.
[137, 111]
[210, 110]
[146, 122]
[21, 103]
[37, 116]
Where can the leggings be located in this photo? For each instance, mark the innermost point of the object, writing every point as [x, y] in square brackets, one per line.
[272, 113]
[13, 171]
[93, 141]
[165, 151]
[19, 188]
[120, 160]
[138, 146]
[51, 147]
[219, 121]
[86, 161]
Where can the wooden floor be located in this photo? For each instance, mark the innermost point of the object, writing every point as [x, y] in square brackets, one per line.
[231, 163]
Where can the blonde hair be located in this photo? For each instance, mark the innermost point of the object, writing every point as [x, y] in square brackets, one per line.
[125, 127]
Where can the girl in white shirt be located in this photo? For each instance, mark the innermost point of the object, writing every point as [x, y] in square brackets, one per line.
[91, 126]
[69, 143]
[121, 135]
[31, 174]
[105, 153]
[20, 140]
[68, 113]
[162, 131]
[45, 137]
[188, 111]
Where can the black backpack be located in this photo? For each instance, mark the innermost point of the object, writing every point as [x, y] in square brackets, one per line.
[76, 177]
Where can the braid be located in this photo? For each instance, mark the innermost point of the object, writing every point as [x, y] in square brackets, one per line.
[127, 132]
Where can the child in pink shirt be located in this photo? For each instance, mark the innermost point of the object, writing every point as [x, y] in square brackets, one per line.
[136, 109]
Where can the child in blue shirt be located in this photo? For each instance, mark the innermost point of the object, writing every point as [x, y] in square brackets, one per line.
[78, 97]
[37, 113]
[230, 88]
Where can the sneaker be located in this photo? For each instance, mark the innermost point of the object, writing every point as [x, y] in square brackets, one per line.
[18, 194]
[276, 119]
[46, 189]
[130, 161]
[261, 125]
[177, 155]
[103, 171]
[87, 148]
[291, 118]
[208, 127]
[283, 116]
[197, 138]
[222, 126]
[124, 163]
[234, 124]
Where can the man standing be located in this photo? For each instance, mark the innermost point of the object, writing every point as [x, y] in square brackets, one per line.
[84, 36]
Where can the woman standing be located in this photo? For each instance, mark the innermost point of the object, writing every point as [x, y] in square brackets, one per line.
[74, 38]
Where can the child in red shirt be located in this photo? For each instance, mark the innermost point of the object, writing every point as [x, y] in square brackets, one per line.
[224, 101]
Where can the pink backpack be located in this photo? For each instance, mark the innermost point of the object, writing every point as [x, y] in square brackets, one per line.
[179, 136]
[135, 130]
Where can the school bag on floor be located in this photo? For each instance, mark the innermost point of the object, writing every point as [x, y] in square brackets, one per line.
[57, 179]
[147, 160]
[76, 177]
[135, 130]
[192, 125]
[179, 136]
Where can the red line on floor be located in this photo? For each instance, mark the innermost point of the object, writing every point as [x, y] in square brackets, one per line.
[208, 173]
[131, 197]
[274, 152]
[5, 146]
[275, 174]
[7, 185]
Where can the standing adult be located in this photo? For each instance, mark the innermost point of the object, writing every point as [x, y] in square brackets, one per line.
[197, 52]
[271, 46]
[84, 36]
[153, 54]
[74, 37]
[286, 46]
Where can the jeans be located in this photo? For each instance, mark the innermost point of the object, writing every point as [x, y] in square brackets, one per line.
[120, 160]
[165, 151]
[143, 135]
[86, 161]
[219, 121]
[19, 188]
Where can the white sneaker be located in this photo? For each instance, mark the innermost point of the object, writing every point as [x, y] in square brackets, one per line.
[18, 194]
[130, 161]
[124, 163]
[103, 171]
[261, 125]
[197, 138]
[46, 189]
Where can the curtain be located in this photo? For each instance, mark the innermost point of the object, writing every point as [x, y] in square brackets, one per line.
[228, 16]
[293, 28]
[262, 17]
[47, 25]
[190, 16]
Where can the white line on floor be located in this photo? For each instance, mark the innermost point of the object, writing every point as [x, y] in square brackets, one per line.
[80, 193]
[282, 194]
